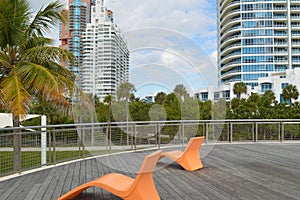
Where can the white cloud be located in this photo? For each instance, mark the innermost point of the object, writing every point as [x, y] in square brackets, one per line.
[171, 34]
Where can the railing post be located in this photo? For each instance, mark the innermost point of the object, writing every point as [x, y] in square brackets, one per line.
[54, 147]
[279, 130]
[50, 145]
[206, 134]
[158, 135]
[182, 134]
[17, 150]
[109, 141]
[230, 136]
[282, 131]
[256, 131]
[253, 127]
[82, 141]
[134, 135]
[228, 131]
[43, 140]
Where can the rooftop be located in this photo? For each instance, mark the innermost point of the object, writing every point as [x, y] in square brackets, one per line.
[232, 171]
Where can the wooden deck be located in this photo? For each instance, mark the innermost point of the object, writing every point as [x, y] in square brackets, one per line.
[236, 171]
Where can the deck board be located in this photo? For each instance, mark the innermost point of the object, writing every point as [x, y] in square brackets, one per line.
[232, 171]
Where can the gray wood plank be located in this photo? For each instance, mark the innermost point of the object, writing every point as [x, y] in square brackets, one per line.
[237, 171]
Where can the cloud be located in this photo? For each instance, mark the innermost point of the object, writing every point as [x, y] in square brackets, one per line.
[180, 35]
[170, 37]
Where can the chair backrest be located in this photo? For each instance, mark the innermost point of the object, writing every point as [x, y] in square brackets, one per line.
[143, 184]
[194, 144]
[149, 162]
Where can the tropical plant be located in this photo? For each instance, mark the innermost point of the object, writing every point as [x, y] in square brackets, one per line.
[160, 98]
[180, 91]
[124, 92]
[108, 99]
[29, 66]
[239, 88]
[290, 92]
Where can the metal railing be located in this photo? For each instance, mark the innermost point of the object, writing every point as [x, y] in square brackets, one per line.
[22, 148]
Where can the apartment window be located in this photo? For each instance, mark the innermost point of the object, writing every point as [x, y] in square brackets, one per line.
[283, 85]
[226, 94]
[266, 86]
[216, 96]
[204, 96]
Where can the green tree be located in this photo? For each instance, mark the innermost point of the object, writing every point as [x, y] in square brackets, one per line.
[28, 64]
[239, 88]
[108, 99]
[266, 105]
[290, 92]
[124, 92]
[180, 91]
[172, 106]
[160, 98]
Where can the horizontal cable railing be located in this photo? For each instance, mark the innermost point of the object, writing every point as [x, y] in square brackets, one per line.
[24, 148]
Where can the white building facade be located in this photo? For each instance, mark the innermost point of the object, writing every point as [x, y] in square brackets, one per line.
[276, 82]
[258, 44]
[105, 55]
[257, 38]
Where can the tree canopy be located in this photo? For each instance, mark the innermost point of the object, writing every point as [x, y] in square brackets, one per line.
[239, 88]
[29, 65]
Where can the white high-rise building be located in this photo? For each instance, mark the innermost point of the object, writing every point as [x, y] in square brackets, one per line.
[105, 55]
[257, 38]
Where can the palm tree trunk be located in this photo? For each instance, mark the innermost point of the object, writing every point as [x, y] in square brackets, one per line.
[127, 121]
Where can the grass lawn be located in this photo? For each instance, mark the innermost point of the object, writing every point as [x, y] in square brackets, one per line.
[32, 159]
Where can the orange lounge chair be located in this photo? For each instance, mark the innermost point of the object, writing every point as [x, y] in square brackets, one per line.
[142, 187]
[190, 158]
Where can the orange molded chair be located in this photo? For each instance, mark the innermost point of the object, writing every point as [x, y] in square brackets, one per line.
[142, 187]
[190, 158]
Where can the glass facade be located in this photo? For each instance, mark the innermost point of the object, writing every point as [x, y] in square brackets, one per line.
[256, 38]
[71, 33]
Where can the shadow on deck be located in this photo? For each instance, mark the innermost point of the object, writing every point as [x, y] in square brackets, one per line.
[236, 171]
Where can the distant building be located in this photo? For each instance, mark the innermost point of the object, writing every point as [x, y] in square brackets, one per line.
[105, 54]
[258, 44]
[222, 92]
[276, 82]
[71, 32]
[256, 39]
[150, 98]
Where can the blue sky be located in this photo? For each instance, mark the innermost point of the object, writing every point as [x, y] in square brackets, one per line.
[171, 42]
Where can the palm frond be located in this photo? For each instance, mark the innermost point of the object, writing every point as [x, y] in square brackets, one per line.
[4, 64]
[46, 18]
[37, 78]
[14, 18]
[14, 96]
[36, 41]
[63, 71]
[45, 54]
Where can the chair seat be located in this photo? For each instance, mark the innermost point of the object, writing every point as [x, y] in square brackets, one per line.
[174, 155]
[140, 188]
[116, 183]
[189, 159]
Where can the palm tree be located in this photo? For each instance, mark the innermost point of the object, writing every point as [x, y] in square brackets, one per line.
[180, 91]
[108, 99]
[290, 92]
[160, 98]
[124, 92]
[29, 66]
[239, 88]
